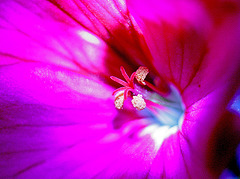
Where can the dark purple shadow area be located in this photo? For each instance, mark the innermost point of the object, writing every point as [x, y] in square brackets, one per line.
[222, 145]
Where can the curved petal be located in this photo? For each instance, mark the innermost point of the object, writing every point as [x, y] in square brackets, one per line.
[111, 21]
[56, 118]
[188, 45]
[197, 49]
[59, 123]
[31, 32]
[46, 110]
[55, 113]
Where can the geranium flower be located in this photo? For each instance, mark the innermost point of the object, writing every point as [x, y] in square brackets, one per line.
[58, 118]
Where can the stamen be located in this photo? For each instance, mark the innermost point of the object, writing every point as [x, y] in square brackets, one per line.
[119, 99]
[122, 93]
[138, 102]
[141, 74]
[153, 88]
[166, 109]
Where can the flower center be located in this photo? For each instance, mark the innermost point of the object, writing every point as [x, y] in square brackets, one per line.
[167, 110]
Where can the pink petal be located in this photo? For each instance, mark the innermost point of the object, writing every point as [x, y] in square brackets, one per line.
[58, 123]
[56, 112]
[48, 35]
[187, 46]
[61, 122]
[46, 110]
[200, 55]
[111, 21]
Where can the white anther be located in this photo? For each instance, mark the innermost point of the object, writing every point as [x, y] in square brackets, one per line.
[138, 102]
[141, 74]
[119, 99]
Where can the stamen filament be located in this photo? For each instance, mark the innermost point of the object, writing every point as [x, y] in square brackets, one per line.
[124, 74]
[132, 79]
[126, 93]
[153, 87]
[117, 90]
[119, 81]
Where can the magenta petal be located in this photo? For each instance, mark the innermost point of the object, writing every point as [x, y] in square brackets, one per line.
[58, 123]
[186, 44]
[111, 21]
[199, 53]
[58, 118]
[43, 85]
[48, 35]
[45, 110]
[189, 48]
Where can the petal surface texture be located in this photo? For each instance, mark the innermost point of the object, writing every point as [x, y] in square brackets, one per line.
[57, 114]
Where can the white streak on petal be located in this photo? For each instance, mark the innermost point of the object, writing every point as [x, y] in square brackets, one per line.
[159, 134]
[89, 37]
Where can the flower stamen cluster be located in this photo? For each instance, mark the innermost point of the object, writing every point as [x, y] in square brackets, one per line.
[128, 89]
